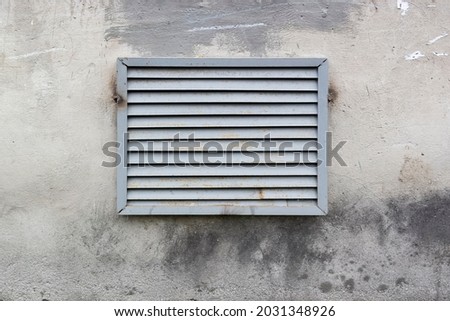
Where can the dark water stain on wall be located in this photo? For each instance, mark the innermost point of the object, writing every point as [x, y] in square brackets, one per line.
[193, 242]
[174, 28]
[427, 219]
[339, 252]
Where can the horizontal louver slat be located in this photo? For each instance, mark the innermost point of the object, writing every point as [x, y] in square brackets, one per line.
[221, 170]
[222, 133]
[224, 121]
[224, 194]
[225, 203]
[221, 85]
[219, 97]
[221, 109]
[221, 182]
[212, 73]
[226, 145]
[222, 158]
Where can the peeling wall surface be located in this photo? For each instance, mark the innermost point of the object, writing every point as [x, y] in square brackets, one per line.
[387, 235]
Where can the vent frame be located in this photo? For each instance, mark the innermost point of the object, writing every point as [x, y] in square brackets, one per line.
[122, 136]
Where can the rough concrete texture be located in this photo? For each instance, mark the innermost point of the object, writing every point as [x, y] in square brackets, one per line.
[387, 235]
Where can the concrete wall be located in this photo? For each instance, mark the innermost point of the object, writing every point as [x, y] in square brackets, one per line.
[388, 232]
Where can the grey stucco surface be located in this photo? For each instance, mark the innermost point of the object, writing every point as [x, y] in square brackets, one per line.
[387, 235]
[176, 27]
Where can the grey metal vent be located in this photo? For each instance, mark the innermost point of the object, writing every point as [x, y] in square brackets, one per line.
[177, 119]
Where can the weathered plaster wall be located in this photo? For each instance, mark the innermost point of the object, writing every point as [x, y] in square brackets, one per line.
[388, 232]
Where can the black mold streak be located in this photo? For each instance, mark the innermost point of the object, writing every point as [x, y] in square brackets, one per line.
[192, 249]
[382, 288]
[117, 99]
[400, 282]
[325, 287]
[349, 285]
[193, 241]
[332, 94]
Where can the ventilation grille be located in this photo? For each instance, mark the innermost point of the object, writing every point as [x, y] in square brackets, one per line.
[222, 136]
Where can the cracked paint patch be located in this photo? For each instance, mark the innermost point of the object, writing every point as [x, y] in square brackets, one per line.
[239, 26]
[414, 56]
[403, 6]
[36, 53]
[437, 38]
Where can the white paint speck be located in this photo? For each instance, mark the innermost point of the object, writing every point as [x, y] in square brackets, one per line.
[437, 38]
[415, 55]
[36, 53]
[440, 54]
[227, 27]
[403, 6]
